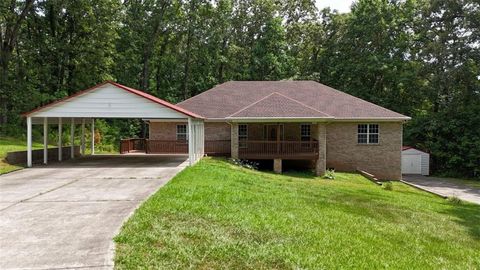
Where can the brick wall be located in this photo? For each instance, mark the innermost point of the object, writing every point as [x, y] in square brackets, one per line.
[343, 152]
[383, 160]
[168, 131]
[217, 131]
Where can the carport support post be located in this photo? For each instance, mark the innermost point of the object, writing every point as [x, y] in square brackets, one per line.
[72, 138]
[45, 140]
[190, 142]
[29, 141]
[60, 139]
[93, 136]
[82, 139]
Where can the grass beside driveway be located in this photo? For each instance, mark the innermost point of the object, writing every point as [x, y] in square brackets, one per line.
[218, 216]
[8, 144]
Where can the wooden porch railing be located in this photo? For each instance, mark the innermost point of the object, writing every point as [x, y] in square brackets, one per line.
[278, 149]
[129, 145]
[166, 147]
[247, 149]
[217, 147]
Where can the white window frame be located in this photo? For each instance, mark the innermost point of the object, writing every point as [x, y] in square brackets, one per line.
[309, 132]
[242, 137]
[368, 133]
[181, 133]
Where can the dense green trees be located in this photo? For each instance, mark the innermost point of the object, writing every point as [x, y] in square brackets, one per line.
[417, 57]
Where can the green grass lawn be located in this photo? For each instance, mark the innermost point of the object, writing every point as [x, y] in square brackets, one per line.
[215, 215]
[11, 145]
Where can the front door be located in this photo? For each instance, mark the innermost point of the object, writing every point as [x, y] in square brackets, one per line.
[274, 132]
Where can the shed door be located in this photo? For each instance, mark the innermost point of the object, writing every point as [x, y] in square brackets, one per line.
[411, 164]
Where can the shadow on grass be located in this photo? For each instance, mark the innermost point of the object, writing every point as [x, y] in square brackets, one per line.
[300, 174]
[468, 215]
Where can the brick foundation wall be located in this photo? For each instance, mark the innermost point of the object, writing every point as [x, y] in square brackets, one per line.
[383, 160]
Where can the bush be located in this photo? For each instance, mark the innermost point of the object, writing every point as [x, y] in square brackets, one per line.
[454, 199]
[244, 163]
[329, 174]
[387, 185]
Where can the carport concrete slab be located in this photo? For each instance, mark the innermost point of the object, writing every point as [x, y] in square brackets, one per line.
[17, 189]
[113, 189]
[4, 205]
[46, 172]
[59, 234]
[65, 215]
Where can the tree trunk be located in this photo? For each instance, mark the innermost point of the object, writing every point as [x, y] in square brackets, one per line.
[8, 38]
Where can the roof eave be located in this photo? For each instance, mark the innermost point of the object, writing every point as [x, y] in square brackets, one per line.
[277, 119]
[386, 119]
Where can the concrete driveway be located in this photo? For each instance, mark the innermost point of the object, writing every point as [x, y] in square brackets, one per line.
[445, 187]
[65, 215]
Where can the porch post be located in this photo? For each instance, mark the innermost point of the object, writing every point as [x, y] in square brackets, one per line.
[190, 142]
[72, 139]
[82, 139]
[29, 141]
[60, 151]
[278, 140]
[92, 146]
[234, 140]
[320, 164]
[45, 140]
[202, 141]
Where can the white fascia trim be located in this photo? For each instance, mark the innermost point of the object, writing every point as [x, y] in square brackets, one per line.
[362, 119]
[300, 119]
[282, 119]
[154, 120]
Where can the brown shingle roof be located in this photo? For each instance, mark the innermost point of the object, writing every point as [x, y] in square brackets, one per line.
[277, 105]
[283, 99]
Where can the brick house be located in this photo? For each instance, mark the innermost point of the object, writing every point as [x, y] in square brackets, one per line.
[289, 120]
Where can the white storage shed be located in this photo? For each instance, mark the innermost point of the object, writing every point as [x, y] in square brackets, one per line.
[415, 161]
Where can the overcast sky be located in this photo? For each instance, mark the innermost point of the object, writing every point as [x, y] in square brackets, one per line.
[340, 5]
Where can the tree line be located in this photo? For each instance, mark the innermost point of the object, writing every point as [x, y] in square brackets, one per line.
[417, 57]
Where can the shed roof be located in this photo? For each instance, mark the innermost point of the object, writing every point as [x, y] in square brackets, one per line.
[405, 148]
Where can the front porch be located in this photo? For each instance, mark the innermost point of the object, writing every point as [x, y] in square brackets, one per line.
[280, 141]
[241, 140]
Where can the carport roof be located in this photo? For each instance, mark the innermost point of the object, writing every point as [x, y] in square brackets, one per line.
[120, 86]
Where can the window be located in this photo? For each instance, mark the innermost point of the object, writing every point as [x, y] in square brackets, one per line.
[182, 133]
[368, 134]
[305, 132]
[242, 135]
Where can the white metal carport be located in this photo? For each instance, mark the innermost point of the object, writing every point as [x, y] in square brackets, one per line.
[110, 100]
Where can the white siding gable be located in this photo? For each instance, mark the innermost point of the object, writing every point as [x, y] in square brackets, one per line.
[108, 101]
